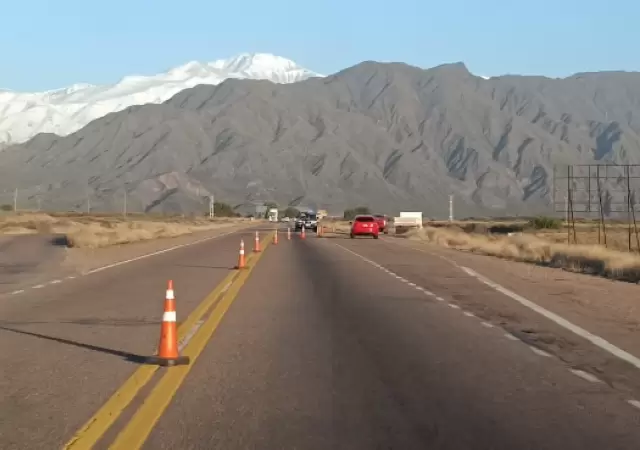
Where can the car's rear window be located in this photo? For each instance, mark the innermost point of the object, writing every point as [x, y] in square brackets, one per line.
[364, 219]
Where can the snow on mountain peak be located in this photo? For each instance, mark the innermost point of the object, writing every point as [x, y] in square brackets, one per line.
[63, 111]
[255, 62]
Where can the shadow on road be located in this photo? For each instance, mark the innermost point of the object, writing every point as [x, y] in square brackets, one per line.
[88, 321]
[195, 266]
[131, 357]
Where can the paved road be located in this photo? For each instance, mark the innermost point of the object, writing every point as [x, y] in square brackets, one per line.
[27, 257]
[65, 348]
[319, 348]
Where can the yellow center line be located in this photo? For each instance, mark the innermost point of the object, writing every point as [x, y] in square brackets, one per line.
[135, 433]
[91, 432]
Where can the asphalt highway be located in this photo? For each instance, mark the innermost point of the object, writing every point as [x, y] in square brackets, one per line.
[321, 343]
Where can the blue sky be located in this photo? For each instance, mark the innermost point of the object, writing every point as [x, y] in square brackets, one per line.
[46, 44]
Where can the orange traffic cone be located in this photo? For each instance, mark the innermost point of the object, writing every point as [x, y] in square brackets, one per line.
[256, 244]
[275, 237]
[303, 235]
[289, 233]
[168, 347]
[241, 261]
[319, 232]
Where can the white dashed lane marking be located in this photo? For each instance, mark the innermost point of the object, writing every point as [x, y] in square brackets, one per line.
[634, 403]
[539, 352]
[579, 373]
[585, 375]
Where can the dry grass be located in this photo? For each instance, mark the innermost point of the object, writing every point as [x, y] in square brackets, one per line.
[617, 236]
[335, 226]
[91, 231]
[586, 231]
[586, 258]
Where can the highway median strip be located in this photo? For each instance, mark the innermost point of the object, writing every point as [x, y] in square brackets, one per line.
[188, 331]
[135, 433]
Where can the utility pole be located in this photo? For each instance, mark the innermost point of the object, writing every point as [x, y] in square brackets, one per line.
[15, 199]
[451, 208]
[124, 209]
[212, 212]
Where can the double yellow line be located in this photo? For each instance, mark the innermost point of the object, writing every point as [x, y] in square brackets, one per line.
[140, 426]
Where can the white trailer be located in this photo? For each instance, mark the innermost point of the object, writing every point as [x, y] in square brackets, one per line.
[273, 215]
[407, 220]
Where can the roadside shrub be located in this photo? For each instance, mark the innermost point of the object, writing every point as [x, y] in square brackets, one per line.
[221, 209]
[543, 223]
[349, 214]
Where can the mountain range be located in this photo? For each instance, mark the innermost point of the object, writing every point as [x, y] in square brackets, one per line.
[387, 135]
[63, 111]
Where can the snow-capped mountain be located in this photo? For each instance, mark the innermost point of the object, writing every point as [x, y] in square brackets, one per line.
[63, 111]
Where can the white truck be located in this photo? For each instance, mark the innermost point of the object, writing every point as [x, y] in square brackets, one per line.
[407, 220]
[273, 215]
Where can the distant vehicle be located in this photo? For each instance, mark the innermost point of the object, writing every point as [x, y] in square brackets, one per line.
[273, 215]
[299, 222]
[308, 220]
[381, 219]
[364, 225]
[408, 219]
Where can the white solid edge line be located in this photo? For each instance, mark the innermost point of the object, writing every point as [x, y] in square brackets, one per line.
[159, 252]
[454, 306]
[585, 375]
[511, 336]
[559, 320]
[487, 324]
[119, 263]
[469, 314]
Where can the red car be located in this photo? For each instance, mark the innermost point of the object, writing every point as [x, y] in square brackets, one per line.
[364, 226]
[382, 223]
